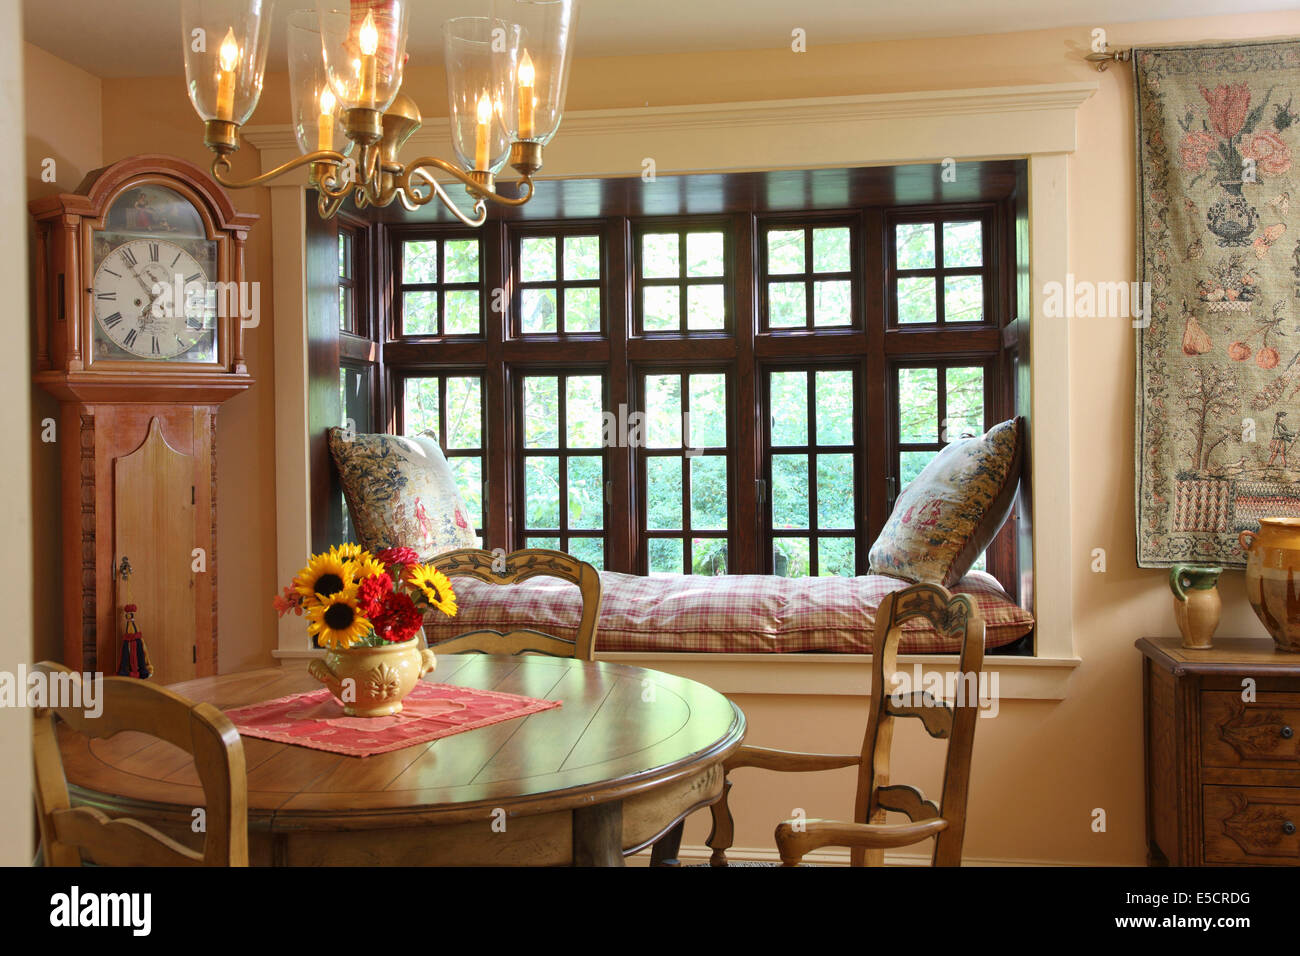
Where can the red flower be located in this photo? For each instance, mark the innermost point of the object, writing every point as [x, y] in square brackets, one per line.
[1228, 106]
[371, 594]
[1268, 152]
[394, 556]
[398, 620]
[1195, 148]
[284, 603]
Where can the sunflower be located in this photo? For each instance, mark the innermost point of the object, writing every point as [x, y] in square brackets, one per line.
[325, 575]
[367, 566]
[336, 621]
[435, 587]
[347, 552]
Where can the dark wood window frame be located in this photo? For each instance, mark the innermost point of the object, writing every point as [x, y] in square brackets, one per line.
[808, 278]
[683, 227]
[560, 284]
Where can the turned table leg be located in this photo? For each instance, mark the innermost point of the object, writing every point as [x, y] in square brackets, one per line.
[598, 835]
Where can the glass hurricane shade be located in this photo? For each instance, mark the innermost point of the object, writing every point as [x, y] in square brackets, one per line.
[475, 95]
[225, 55]
[316, 114]
[365, 51]
[536, 78]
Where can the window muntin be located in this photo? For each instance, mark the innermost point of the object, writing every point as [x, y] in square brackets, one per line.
[439, 287]
[559, 279]
[811, 467]
[684, 473]
[941, 272]
[807, 276]
[563, 463]
[448, 407]
[681, 279]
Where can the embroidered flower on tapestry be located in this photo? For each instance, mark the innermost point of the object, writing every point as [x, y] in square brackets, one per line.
[1218, 377]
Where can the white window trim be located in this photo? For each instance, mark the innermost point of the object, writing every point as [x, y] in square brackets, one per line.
[1037, 123]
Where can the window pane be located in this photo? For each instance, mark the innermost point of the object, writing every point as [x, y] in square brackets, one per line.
[663, 493]
[460, 260]
[469, 479]
[784, 251]
[661, 309]
[582, 310]
[789, 408]
[581, 258]
[552, 543]
[591, 550]
[708, 411]
[345, 255]
[586, 493]
[834, 407]
[419, 313]
[709, 493]
[345, 297]
[963, 299]
[537, 308]
[537, 259]
[462, 312]
[663, 411]
[582, 411]
[420, 409]
[832, 302]
[918, 405]
[914, 242]
[464, 412]
[789, 491]
[965, 402]
[541, 412]
[963, 244]
[705, 307]
[541, 492]
[911, 464]
[420, 260]
[786, 304]
[709, 556]
[916, 301]
[659, 255]
[836, 556]
[704, 254]
[831, 250]
[835, 500]
[790, 557]
[666, 556]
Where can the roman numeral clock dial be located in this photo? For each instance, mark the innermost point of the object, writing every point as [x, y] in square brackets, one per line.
[152, 301]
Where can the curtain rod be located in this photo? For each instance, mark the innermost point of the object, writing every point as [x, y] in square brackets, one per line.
[1105, 58]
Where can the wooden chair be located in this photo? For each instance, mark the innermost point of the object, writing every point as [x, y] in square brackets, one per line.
[869, 836]
[128, 704]
[520, 566]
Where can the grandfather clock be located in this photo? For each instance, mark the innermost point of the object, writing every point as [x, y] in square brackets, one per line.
[142, 302]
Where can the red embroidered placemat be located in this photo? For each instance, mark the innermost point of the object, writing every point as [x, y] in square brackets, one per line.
[315, 719]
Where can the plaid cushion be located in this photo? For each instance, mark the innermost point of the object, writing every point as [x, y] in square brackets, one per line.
[742, 613]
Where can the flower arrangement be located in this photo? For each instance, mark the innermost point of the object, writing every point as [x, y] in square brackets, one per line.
[1231, 133]
[352, 598]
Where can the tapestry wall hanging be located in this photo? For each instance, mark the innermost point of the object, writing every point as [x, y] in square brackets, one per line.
[1218, 371]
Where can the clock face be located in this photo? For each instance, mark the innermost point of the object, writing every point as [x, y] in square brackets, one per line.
[154, 301]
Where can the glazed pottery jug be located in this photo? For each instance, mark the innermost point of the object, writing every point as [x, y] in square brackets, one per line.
[371, 681]
[1196, 603]
[1272, 556]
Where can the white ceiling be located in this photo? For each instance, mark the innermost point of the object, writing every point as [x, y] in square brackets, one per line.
[117, 38]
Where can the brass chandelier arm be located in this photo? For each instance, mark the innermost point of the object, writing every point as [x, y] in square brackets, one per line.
[413, 199]
[221, 168]
[476, 188]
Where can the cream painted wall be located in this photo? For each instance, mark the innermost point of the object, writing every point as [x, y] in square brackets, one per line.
[1041, 768]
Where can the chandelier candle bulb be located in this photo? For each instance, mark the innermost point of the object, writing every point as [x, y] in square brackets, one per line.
[228, 56]
[481, 133]
[368, 40]
[325, 125]
[527, 83]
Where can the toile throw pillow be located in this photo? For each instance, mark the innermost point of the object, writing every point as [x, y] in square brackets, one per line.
[948, 515]
[401, 494]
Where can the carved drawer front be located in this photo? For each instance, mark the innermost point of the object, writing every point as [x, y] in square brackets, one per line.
[1252, 825]
[1263, 733]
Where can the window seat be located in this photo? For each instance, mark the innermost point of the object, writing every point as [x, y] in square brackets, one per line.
[745, 614]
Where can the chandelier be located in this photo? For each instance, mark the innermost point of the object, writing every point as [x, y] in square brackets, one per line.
[507, 75]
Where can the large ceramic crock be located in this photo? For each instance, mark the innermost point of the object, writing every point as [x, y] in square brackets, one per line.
[1272, 557]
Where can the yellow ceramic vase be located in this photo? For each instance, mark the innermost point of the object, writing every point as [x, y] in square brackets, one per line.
[372, 681]
[1272, 557]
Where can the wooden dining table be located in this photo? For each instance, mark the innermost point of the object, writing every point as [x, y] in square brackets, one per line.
[630, 753]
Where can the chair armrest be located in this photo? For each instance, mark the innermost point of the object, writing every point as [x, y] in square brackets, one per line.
[788, 760]
[814, 834]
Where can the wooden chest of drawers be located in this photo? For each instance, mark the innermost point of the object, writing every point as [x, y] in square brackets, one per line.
[1222, 742]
